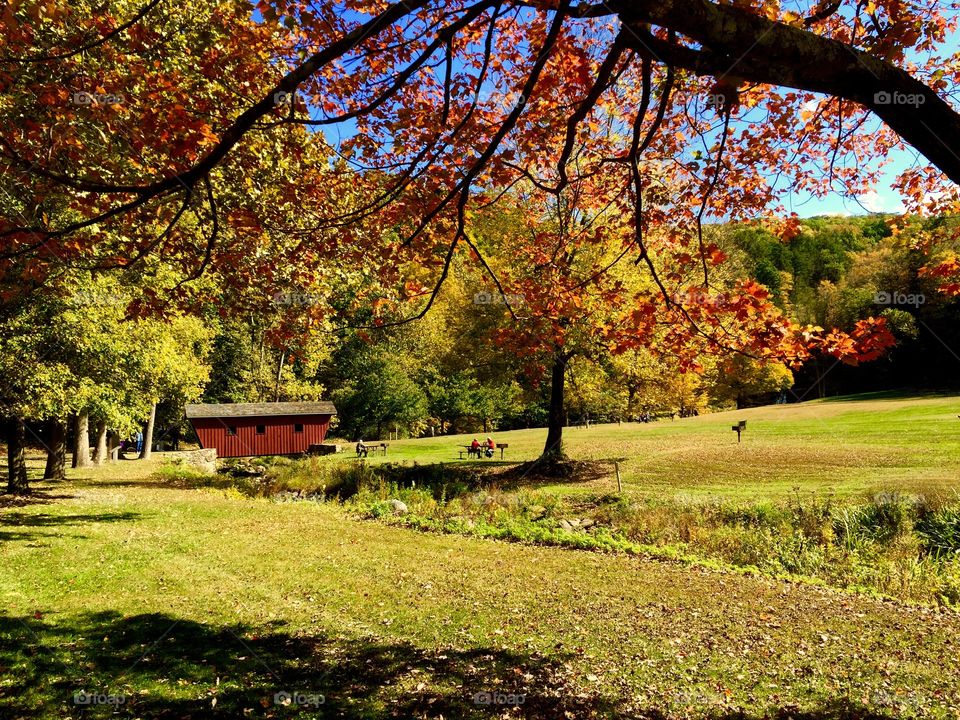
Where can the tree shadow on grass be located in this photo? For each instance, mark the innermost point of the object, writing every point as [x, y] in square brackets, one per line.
[157, 482]
[184, 666]
[36, 497]
[546, 472]
[159, 666]
[28, 523]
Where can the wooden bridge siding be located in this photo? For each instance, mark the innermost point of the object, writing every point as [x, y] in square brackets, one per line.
[279, 438]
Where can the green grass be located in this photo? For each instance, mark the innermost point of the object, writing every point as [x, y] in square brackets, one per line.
[196, 603]
[840, 446]
[176, 597]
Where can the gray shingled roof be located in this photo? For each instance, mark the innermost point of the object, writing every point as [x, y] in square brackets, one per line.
[260, 409]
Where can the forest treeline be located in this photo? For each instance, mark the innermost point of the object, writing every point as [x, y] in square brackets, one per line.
[83, 369]
[447, 372]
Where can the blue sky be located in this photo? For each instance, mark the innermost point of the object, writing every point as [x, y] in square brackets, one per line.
[882, 199]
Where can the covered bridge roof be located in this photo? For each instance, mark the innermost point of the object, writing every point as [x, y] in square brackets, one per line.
[267, 409]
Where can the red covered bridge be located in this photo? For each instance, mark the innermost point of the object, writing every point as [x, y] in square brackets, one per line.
[245, 429]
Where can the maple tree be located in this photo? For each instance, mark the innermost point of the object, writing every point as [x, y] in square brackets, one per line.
[567, 293]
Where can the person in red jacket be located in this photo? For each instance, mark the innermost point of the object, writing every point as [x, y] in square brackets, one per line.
[475, 448]
[490, 446]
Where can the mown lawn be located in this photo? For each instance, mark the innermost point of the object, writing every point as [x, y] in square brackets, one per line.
[204, 603]
[196, 603]
[843, 447]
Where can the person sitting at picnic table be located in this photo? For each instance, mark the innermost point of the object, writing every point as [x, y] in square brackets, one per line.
[475, 448]
[361, 448]
[490, 446]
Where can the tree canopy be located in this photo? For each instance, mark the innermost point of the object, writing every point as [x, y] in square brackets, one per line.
[134, 116]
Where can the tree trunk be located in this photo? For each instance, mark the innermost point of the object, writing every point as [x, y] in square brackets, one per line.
[81, 441]
[113, 439]
[148, 433]
[276, 389]
[100, 451]
[553, 448]
[821, 381]
[56, 450]
[16, 458]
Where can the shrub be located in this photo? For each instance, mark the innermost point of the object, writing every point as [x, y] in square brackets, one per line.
[886, 518]
[180, 473]
[939, 531]
[948, 590]
[738, 546]
[760, 515]
[814, 518]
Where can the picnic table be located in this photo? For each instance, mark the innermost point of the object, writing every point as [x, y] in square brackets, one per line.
[374, 448]
[468, 449]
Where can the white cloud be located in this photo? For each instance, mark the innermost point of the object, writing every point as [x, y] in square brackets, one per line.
[875, 202]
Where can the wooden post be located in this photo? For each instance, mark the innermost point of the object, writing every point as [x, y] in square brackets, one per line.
[616, 466]
[739, 428]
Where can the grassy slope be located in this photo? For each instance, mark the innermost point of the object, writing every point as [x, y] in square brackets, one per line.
[841, 446]
[178, 598]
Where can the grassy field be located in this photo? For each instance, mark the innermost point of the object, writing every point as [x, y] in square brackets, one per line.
[203, 602]
[845, 447]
